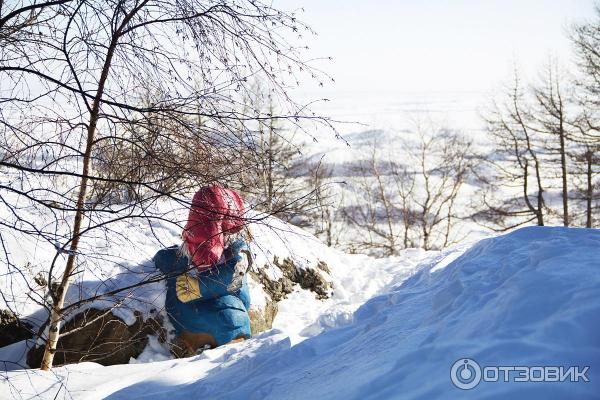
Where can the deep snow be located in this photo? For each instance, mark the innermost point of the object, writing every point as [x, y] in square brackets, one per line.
[528, 298]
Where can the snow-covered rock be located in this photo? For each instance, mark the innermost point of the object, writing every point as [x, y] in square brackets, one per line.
[282, 254]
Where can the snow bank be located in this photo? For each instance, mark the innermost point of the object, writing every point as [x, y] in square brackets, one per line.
[122, 257]
[529, 298]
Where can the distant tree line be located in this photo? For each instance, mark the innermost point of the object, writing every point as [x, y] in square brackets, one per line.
[410, 198]
[539, 164]
[547, 142]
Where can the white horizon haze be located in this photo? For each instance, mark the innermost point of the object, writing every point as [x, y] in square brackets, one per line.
[444, 54]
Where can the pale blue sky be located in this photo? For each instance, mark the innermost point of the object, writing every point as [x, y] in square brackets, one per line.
[436, 45]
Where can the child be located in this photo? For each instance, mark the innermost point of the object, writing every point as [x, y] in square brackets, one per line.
[207, 293]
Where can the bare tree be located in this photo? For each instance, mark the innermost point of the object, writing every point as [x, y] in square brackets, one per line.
[276, 157]
[20, 19]
[587, 185]
[515, 162]
[275, 175]
[413, 203]
[585, 38]
[444, 164]
[405, 182]
[552, 102]
[71, 101]
[329, 196]
[372, 212]
[544, 140]
[585, 164]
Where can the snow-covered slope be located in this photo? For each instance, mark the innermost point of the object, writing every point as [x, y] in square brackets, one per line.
[123, 256]
[529, 298]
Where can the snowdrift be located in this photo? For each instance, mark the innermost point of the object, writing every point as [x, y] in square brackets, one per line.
[529, 298]
[280, 252]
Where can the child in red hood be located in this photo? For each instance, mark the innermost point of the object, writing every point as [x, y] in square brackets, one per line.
[207, 293]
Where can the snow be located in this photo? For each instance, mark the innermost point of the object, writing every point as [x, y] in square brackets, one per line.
[123, 257]
[392, 329]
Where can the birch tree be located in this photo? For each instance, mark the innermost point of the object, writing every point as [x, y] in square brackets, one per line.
[81, 78]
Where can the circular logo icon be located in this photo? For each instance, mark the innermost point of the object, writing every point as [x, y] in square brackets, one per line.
[465, 374]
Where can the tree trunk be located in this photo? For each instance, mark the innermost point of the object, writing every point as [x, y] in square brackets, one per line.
[56, 313]
[563, 165]
[388, 211]
[59, 298]
[589, 191]
[270, 167]
[406, 231]
[329, 228]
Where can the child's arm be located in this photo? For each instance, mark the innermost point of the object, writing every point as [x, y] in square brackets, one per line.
[220, 280]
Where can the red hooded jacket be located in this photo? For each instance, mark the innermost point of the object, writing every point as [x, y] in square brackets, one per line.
[215, 212]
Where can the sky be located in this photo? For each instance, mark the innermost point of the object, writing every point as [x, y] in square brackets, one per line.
[384, 50]
[436, 45]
